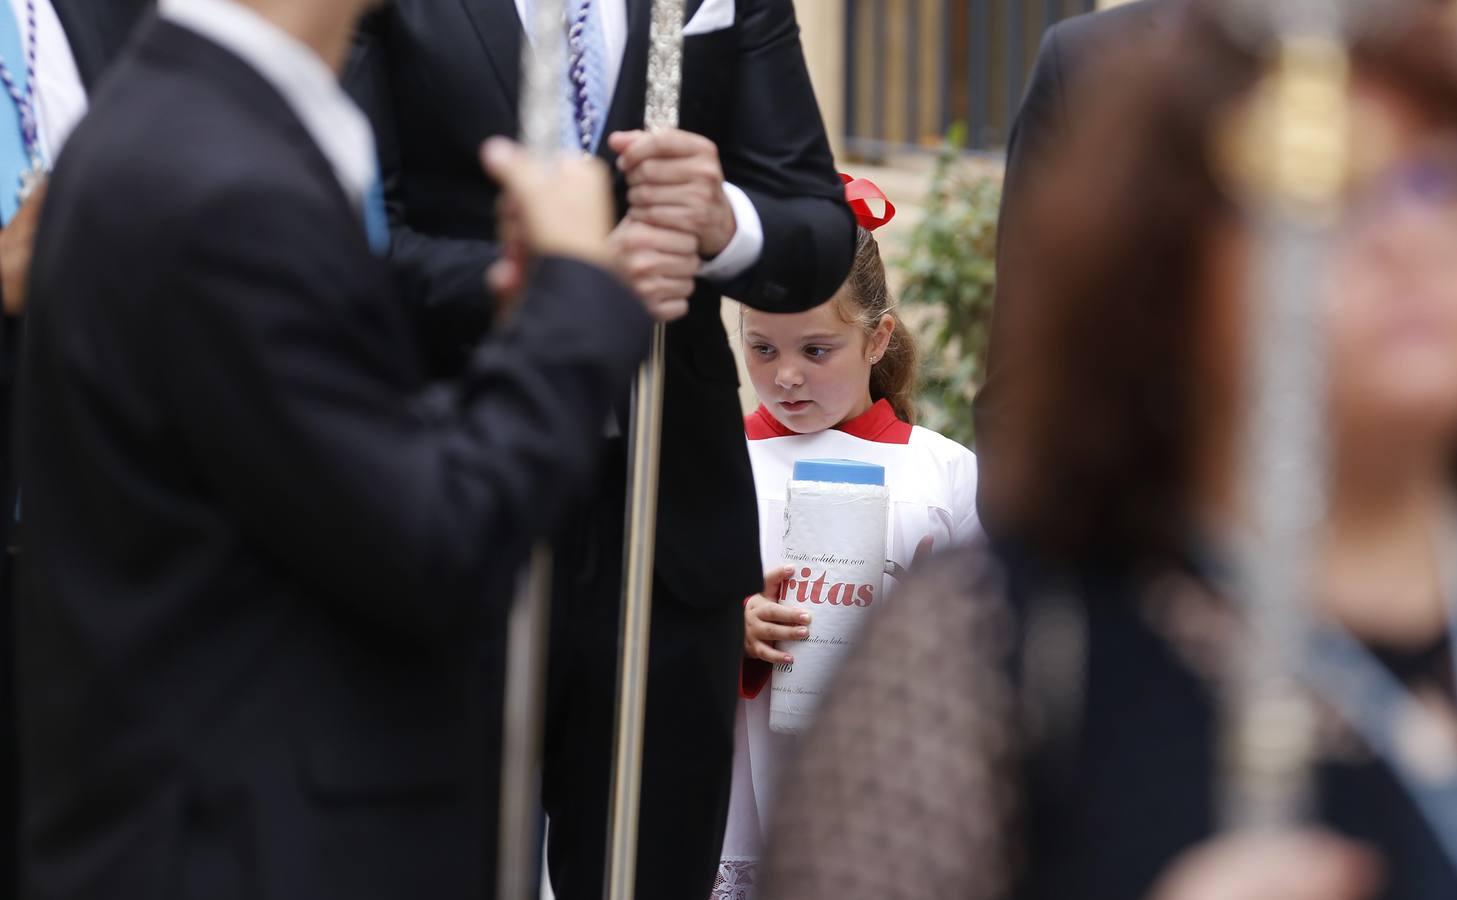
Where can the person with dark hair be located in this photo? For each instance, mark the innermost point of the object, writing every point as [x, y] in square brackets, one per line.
[1042, 130]
[1043, 720]
[836, 382]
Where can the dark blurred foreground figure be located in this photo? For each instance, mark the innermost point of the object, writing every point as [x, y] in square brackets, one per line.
[74, 40]
[1042, 130]
[262, 546]
[1043, 722]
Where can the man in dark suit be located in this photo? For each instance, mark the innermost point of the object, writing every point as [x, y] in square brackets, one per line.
[750, 180]
[261, 542]
[74, 42]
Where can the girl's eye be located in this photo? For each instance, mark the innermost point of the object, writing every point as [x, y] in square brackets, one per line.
[816, 352]
[762, 350]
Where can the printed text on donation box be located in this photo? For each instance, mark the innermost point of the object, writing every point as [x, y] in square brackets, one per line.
[834, 539]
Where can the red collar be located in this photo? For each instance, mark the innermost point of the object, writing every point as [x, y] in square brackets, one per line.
[878, 424]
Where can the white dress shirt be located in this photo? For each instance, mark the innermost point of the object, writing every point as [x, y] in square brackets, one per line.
[304, 80]
[747, 244]
[60, 95]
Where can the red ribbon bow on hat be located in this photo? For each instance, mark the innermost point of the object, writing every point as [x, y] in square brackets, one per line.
[864, 196]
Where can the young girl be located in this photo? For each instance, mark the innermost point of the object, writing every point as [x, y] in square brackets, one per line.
[838, 382]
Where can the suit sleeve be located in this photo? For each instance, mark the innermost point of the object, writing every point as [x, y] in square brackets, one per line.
[396, 500]
[1040, 126]
[443, 280]
[779, 156]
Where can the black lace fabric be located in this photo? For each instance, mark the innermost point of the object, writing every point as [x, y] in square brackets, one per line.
[904, 789]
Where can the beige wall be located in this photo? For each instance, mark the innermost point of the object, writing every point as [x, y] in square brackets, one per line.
[822, 31]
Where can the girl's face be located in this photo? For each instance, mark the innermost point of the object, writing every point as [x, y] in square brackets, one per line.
[1392, 321]
[811, 370]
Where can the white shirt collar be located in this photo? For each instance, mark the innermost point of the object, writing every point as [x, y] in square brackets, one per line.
[308, 85]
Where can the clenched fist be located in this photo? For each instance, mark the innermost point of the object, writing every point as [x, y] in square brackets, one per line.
[675, 181]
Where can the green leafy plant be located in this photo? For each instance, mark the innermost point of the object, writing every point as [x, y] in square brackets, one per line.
[949, 281]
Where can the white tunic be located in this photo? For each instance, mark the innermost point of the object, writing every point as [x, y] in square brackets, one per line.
[932, 485]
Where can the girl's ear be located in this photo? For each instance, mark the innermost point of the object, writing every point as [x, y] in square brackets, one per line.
[880, 338]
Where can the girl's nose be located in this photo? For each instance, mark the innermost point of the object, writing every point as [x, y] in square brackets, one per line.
[788, 377]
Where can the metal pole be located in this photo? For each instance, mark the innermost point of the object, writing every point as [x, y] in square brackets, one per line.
[911, 49]
[665, 75]
[978, 65]
[943, 68]
[1014, 69]
[878, 77]
[518, 865]
[1296, 159]
[851, 72]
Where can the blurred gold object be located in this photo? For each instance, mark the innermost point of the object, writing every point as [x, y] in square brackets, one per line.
[1312, 125]
[1290, 146]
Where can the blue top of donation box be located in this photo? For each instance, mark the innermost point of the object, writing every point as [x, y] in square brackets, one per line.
[839, 471]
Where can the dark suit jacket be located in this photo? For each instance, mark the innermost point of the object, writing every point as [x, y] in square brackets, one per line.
[442, 75]
[1041, 128]
[262, 546]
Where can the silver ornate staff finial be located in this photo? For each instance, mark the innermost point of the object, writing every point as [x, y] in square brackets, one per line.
[543, 104]
[665, 65]
[665, 77]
